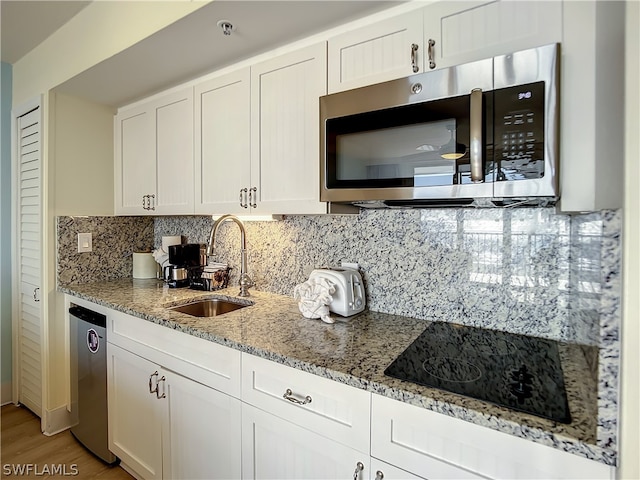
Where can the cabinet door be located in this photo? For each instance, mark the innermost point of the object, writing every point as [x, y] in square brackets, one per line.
[201, 431]
[135, 425]
[437, 446]
[285, 150]
[135, 162]
[274, 448]
[174, 153]
[223, 119]
[376, 53]
[466, 31]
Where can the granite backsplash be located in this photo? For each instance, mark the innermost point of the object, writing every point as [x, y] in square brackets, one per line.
[527, 270]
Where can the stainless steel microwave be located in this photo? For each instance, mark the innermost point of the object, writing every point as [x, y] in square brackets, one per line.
[483, 133]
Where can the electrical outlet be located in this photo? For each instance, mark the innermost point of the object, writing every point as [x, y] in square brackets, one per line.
[85, 243]
[353, 265]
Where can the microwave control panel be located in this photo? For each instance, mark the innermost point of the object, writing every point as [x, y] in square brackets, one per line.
[519, 132]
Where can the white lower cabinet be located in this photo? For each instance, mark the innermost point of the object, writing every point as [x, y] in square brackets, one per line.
[431, 445]
[274, 448]
[202, 429]
[135, 434]
[163, 425]
[166, 419]
[298, 425]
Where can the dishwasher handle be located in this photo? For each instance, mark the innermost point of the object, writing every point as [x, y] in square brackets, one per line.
[89, 316]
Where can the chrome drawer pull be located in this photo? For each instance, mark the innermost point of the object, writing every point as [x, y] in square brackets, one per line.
[432, 54]
[288, 395]
[414, 58]
[359, 468]
[151, 389]
[243, 197]
[158, 396]
[379, 475]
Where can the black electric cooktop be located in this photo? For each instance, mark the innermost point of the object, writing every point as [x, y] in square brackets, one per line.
[514, 371]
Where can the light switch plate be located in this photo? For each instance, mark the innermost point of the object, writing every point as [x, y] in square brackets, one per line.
[84, 242]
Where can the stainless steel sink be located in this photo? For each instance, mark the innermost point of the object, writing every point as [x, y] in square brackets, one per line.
[211, 307]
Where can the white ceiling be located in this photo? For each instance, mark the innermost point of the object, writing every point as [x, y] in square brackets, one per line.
[184, 50]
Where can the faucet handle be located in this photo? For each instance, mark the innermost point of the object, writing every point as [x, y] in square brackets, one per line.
[245, 284]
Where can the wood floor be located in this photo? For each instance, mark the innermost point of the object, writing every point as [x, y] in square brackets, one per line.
[23, 446]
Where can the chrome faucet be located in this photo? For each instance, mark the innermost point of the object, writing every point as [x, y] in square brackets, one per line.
[245, 280]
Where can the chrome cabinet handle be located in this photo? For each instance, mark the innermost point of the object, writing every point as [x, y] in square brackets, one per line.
[432, 53]
[475, 132]
[359, 468]
[253, 197]
[153, 390]
[35, 294]
[243, 201]
[288, 395]
[158, 396]
[379, 475]
[146, 202]
[414, 57]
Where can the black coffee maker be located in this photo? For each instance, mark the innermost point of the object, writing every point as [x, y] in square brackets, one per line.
[182, 259]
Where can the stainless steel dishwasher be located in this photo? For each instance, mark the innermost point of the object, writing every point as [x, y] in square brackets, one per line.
[89, 381]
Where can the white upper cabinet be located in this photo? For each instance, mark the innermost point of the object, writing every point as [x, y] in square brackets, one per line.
[256, 132]
[135, 163]
[466, 31]
[222, 138]
[154, 157]
[439, 35]
[285, 132]
[376, 53]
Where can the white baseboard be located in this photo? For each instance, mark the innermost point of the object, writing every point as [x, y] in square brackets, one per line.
[56, 420]
[6, 395]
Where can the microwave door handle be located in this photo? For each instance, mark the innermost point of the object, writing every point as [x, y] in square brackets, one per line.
[475, 131]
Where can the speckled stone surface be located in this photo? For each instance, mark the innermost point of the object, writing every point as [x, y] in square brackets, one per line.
[525, 271]
[355, 353]
[114, 240]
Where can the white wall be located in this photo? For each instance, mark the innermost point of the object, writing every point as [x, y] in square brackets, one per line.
[81, 152]
[630, 332]
[99, 31]
[80, 181]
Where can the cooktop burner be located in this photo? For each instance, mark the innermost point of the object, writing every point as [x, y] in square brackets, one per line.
[515, 371]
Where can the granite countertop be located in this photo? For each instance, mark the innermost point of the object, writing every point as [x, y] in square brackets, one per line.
[355, 353]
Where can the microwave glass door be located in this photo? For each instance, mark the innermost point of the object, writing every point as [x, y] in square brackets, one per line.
[417, 145]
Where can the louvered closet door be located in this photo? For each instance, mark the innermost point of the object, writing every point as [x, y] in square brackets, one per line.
[29, 247]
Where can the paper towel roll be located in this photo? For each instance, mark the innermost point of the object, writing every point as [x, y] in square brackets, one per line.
[167, 241]
[144, 265]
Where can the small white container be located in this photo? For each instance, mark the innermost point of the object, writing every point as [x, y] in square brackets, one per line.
[144, 265]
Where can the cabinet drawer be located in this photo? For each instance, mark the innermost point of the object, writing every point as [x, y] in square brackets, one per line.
[205, 362]
[332, 409]
[433, 445]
